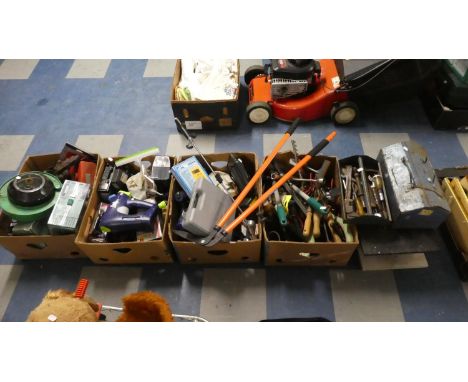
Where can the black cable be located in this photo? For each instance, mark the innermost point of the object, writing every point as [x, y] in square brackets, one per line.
[375, 68]
[388, 64]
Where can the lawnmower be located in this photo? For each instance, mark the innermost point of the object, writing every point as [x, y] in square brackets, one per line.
[310, 89]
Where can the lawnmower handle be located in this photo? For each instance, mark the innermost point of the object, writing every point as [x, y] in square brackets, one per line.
[293, 126]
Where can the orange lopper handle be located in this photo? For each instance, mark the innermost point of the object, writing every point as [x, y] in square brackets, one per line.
[319, 147]
[240, 198]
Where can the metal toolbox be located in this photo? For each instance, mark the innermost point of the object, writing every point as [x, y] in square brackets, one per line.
[415, 197]
[371, 167]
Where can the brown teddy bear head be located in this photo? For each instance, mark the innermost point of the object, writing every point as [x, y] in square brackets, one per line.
[62, 306]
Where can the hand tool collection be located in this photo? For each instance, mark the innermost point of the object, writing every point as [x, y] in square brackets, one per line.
[133, 193]
[220, 232]
[305, 208]
[207, 191]
[363, 191]
[50, 201]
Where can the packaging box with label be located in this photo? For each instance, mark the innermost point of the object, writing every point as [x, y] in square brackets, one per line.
[41, 246]
[198, 115]
[319, 253]
[232, 252]
[126, 252]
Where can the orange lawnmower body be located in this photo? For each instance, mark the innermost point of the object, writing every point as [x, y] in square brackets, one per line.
[315, 105]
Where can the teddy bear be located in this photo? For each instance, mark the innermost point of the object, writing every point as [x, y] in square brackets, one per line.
[64, 306]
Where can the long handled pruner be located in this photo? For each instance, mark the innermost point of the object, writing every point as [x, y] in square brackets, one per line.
[219, 233]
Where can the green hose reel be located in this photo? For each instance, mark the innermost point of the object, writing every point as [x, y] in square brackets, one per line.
[29, 196]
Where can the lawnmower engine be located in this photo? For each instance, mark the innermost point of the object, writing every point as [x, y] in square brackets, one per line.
[293, 77]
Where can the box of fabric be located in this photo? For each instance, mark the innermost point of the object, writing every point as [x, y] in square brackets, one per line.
[205, 93]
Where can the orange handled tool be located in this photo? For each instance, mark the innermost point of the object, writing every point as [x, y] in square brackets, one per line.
[240, 198]
[221, 233]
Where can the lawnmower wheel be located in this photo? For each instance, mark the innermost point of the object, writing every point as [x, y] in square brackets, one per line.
[258, 112]
[344, 113]
[253, 71]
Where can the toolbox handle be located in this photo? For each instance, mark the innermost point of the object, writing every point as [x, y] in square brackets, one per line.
[39, 246]
[122, 250]
[218, 252]
[309, 255]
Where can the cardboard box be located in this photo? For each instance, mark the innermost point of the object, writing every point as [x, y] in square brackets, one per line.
[293, 253]
[41, 246]
[199, 115]
[151, 252]
[221, 253]
[441, 116]
[458, 219]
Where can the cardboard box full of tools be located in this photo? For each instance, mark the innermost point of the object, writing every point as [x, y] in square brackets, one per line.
[41, 246]
[209, 114]
[291, 243]
[235, 251]
[145, 248]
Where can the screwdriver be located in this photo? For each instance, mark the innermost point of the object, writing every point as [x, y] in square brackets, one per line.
[314, 203]
[280, 211]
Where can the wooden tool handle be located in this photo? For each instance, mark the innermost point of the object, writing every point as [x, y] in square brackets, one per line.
[336, 237]
[359, 206]
[316, 229]
[307, 223]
